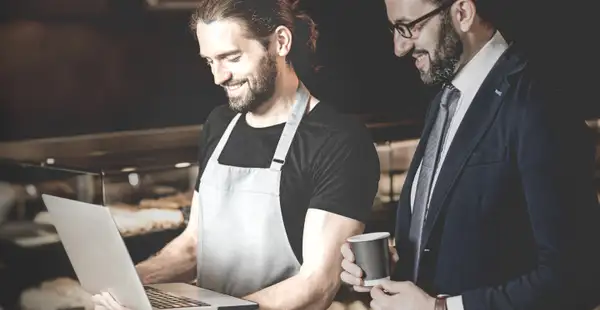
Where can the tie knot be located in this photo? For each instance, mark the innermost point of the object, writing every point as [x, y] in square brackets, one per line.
[449, 94]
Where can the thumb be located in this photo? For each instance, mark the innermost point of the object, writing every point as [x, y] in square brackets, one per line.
[392, 286]
[347, 252]
[394, 255]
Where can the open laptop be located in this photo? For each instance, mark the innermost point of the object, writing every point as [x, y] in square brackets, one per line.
[102, 263]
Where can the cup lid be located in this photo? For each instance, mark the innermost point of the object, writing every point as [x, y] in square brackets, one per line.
[369, 237]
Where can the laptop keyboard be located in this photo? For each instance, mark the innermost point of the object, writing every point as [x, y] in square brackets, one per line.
[162, 300]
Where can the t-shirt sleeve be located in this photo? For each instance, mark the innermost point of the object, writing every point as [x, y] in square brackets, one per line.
[346, 177]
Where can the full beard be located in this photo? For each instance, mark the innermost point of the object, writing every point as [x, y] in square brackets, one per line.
[260, 87]
[446, 56]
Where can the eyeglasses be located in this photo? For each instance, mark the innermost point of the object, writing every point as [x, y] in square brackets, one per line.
[405, 29]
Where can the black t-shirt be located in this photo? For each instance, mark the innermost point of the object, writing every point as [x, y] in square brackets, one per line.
[332, 163]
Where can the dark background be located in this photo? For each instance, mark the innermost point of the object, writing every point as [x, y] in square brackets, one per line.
[85, 66]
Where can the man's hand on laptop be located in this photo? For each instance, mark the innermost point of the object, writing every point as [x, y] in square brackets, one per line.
[105, 301]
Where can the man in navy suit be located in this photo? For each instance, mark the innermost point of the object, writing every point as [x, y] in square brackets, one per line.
[498, 208]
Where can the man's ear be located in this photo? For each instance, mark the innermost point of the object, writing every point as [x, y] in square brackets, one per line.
[283, 41]
[464, 13]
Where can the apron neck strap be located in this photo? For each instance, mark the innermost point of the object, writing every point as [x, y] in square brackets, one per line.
[219, 148]
[289, 131]
[285, 141]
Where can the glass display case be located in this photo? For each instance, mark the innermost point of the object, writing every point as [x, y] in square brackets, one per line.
[146, 178]
[133, 174]
[141, 199]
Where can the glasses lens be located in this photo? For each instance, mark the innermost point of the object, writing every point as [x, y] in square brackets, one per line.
[404, 31]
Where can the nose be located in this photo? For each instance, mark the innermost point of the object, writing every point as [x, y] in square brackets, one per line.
[402, 45]
[220, 73]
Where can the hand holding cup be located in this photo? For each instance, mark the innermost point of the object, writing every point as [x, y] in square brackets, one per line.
[367, 260]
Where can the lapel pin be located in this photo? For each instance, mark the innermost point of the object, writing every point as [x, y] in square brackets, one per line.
[499, 93]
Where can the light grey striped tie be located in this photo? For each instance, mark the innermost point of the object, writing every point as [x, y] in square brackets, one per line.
[448, 101]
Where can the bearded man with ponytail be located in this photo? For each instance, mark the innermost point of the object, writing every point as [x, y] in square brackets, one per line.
[284, 178]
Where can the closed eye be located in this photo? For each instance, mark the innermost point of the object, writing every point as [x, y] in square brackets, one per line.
[230, 56]
[234, 58]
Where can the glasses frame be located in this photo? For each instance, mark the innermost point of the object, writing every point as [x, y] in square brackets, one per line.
[406, 27]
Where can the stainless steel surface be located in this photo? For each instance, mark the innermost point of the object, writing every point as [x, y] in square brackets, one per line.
[108, 149]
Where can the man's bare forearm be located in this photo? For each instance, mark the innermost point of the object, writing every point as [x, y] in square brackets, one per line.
[176, 262]
[318, 280]
[299, 292]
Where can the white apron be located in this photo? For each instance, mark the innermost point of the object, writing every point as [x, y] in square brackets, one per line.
[243, 246]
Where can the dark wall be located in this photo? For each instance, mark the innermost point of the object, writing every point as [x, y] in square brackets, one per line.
[70, 68]
[126, 68]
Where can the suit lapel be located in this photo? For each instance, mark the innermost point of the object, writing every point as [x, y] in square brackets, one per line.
[473, 127]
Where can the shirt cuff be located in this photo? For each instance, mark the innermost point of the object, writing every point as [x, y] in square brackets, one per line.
[455, 303]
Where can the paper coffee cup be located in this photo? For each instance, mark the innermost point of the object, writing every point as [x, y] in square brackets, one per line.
[372, 255]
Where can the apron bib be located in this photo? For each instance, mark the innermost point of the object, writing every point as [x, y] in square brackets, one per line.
[243, 245]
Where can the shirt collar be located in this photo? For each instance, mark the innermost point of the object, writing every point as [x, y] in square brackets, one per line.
[471, 76]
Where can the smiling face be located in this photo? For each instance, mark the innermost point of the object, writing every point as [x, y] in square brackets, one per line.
[435, 44]
[242, 66]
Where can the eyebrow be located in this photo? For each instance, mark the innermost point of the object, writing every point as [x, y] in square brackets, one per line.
[224, 54]
[402, 20]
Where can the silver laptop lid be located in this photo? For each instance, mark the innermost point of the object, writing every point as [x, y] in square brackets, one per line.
[96, 250]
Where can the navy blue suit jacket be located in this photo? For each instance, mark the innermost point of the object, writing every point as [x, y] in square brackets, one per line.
[511, 219]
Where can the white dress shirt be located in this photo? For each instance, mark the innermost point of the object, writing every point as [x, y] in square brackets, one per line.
[467, 81]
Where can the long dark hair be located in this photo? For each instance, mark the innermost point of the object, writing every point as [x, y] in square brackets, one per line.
[260, 18]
